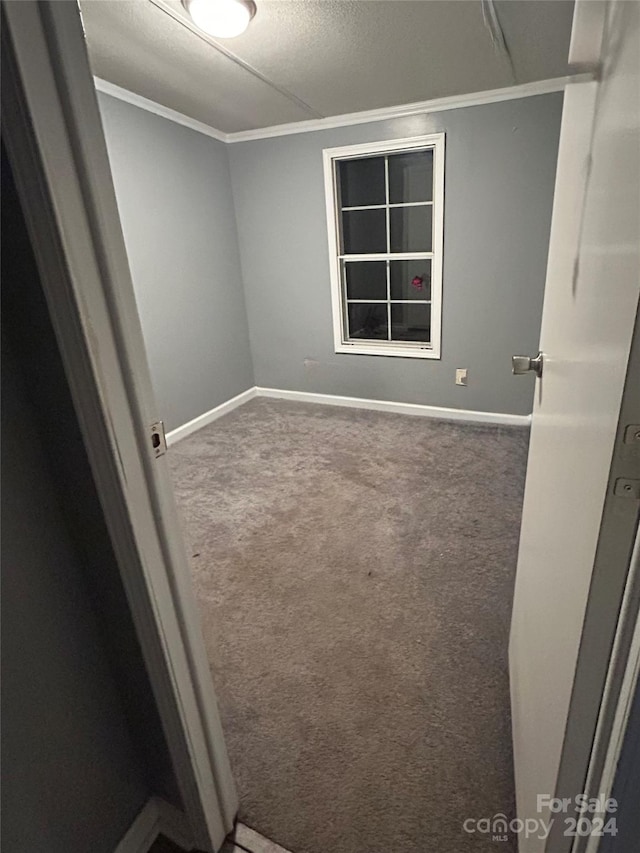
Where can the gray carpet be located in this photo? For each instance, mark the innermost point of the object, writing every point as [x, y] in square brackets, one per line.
[355, 571]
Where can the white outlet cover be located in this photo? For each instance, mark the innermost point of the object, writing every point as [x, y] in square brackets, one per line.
[461, 376]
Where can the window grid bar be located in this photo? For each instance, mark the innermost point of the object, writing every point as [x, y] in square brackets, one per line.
[392, 301]
[388, 149]
[391, 341]
[388, 227]
[394, 204]
[374, 342]
[345, 302]
[389, 256]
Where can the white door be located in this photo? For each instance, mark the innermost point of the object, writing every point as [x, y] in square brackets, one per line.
[591, 296]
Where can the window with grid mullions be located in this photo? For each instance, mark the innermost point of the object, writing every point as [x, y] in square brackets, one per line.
[384, 211]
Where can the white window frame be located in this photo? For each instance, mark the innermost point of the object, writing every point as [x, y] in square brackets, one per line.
[403, 349]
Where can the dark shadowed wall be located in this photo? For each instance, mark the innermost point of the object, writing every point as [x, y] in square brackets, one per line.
[82, 741]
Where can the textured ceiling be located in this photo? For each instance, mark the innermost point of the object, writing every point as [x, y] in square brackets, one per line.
[304, 59]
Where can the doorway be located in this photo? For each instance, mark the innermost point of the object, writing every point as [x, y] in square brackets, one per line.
[353, 566]
[371, 479]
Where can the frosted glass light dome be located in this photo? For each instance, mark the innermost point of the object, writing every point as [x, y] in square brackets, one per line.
[221, 18]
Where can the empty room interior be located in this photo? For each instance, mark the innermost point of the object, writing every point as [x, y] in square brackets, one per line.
[337, 224]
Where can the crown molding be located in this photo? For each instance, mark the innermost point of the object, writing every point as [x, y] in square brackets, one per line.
[454, 102]
[158, 109]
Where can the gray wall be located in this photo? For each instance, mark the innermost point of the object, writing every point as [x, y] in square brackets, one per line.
[179, 215]
[500, 171]
[174, 195]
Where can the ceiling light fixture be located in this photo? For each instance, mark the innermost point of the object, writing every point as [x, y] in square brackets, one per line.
[223, 19]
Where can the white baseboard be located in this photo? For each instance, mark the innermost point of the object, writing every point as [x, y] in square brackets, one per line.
[398, 408]
[468, 415]
[156, 817]
[210, 416]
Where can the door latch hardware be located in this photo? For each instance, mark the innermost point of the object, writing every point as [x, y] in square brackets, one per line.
[158, 439]
[632, 434]
[625, 488]
[527, 364]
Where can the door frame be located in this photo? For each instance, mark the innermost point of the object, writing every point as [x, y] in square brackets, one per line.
[53, 134]
[609, 655]
[623, 680]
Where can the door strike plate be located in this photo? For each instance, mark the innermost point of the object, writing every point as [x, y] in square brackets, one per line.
[158, 440]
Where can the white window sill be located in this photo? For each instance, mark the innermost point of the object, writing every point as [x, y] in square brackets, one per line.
[397, 352]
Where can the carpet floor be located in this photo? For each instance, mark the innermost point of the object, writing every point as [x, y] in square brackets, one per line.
[354, 571]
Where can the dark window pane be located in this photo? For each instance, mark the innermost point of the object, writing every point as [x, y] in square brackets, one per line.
[367, 322]
[411, 177]
[366, 279]
[362, 182]
[410, 229]
[410, 279]
[411, 323]
[364, 232]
